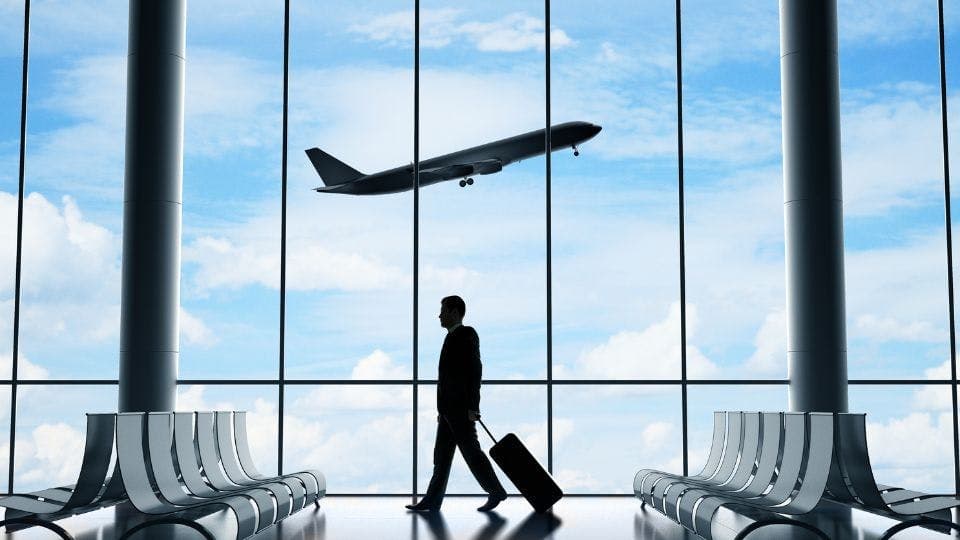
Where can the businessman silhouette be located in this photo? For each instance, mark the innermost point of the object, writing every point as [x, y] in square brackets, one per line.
[458, 408]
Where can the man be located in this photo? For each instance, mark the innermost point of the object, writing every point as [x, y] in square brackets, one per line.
[458, 407]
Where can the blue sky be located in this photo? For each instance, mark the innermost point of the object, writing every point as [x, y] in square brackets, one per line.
[615, 258]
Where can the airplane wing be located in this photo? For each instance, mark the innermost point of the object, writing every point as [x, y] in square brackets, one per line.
[450, 171]
[459, 170]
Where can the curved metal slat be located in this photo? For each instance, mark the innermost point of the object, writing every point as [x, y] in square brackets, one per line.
[95, 464]
[771, 439]
[209, 458]
[314, 483]
[731, 454]
[645, 479]
[139, 486]
[186, 450]
[789, 462]
[741, 474]
[272, 501]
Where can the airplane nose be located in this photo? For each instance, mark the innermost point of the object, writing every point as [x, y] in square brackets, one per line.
[594, 129]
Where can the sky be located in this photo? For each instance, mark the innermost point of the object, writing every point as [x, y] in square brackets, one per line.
[615, 258]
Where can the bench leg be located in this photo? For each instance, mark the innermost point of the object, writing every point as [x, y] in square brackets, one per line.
[917, 522]
[39, 523]
[170, 521]
[779, 521]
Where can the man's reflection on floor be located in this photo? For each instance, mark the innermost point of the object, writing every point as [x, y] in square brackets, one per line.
[436, 525]
[495, 522]
[534, 527]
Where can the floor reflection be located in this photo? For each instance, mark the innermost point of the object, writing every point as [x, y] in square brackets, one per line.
[436, 525]
[647, 528]
[352, 518]
[534, 527]
[495, 522]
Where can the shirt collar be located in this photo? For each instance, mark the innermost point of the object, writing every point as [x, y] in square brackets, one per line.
[454, 327]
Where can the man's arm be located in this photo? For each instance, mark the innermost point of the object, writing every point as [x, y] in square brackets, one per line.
[474, 372]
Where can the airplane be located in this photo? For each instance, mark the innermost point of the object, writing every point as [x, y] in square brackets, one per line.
[338, 177]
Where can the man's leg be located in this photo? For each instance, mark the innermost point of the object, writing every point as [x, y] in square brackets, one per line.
[465, 435]
[443, 449]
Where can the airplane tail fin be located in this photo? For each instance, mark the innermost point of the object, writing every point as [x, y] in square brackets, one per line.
[331, 170]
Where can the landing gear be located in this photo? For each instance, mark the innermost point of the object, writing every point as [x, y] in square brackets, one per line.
[575, 151]
[466, 182]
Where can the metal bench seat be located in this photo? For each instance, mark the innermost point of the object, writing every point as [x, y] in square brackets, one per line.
[760, 466]
[95, 487]
[646, 478]
[179, 471]
[802, 471]
[246, 460]
[860, 489]
[738, 477]
[234, 452]
[179, 466]
[773, 463]
[141, 483]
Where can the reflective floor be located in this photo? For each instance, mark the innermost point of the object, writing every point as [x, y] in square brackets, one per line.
[352, 518]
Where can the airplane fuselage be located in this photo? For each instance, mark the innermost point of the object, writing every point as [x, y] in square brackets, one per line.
[479, 160]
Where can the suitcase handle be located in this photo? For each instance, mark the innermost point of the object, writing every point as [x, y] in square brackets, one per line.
[487, 430]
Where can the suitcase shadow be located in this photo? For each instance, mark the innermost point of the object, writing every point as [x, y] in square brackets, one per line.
[535, 527]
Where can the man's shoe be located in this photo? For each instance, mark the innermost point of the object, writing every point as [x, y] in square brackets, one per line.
[492, 502]
[420, 507]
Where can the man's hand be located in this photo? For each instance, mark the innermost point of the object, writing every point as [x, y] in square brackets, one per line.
[473, 415]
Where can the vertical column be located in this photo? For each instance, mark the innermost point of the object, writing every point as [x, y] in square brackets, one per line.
[813, 206]
[150, 298]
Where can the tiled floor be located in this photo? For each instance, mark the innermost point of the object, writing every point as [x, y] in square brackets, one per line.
[356, 518]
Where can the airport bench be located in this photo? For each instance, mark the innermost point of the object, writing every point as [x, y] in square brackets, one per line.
[853, 484]
[766, 465]
[177, 466]
[756, 460]
[95, 488]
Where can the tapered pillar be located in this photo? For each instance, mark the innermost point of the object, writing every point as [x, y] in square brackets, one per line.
[813, 206]
[150, 298]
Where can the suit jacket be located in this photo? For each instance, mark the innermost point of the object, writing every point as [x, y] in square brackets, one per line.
[458, 383]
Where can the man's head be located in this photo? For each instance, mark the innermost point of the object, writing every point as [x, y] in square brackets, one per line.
[452, 310]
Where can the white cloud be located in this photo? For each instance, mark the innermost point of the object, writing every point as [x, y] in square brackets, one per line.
[902, 124]
[934, 397]
[26, 370]
[657, 434]
[71, 274]
[58, 26]
[770, 353]
[916, 313]
[884, 329]
[898, 460]
[50, 456]
[651, 353]
[231, 103]
[439, 28]
[326, 400]
[576, 480]
[868, 22]
[513, 33]
[378, 365]
[363, 456]
[194, 331]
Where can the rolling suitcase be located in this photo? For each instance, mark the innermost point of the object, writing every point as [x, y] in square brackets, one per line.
[534, 483]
